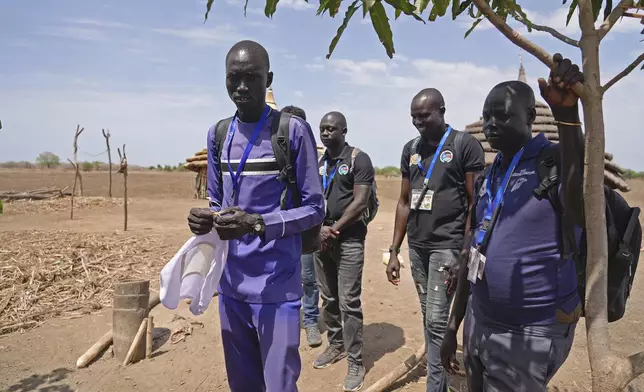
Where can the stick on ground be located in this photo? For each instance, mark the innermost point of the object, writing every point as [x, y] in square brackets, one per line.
[399, 371]
[148, 337]
[106, 339]
[135, 343]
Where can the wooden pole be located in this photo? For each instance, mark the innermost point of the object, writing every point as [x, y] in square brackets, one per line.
[79, 130]
[135, 343]
[399, 371]
[106, 339]
[123, 170]
[148, 337]
[96, 349]
[107, 136]
[71, 213]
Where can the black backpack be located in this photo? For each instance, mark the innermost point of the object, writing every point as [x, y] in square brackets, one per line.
[373, 203]
[623, 230]
[280, 140]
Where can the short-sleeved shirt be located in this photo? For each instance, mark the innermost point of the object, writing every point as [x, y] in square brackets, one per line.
[339, 191]
[444, 226]
[525, 280]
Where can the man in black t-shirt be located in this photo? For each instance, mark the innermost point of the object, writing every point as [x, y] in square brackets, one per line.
[347, 178]
[438, 172]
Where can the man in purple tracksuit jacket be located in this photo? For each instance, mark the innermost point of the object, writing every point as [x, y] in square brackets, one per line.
[261, 286]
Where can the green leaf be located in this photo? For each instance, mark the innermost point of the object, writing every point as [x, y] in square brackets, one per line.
[608, 8]
[366, 6]
[571, 10]
[439, 9]
[208, 7]
[597, 8]
[458, 7]
[345, 22]
[421, 5]
[516, 8]
[404, 6]
[271, 7]
[473, 26]
[380, 23]
[329, 5]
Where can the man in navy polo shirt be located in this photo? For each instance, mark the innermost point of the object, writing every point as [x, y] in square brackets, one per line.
[437, 190]
[261, 287]
[524, 306]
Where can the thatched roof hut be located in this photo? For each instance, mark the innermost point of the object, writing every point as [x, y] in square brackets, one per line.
[545, 123]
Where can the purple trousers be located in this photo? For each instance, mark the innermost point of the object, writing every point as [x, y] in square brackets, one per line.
[261, 343]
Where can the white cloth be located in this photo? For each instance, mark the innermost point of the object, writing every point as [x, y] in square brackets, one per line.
[194, 272]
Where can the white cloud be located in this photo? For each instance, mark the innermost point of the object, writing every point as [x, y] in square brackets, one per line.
[314, 67]
[298, 94]
[204, 35]
[298, 5]
[77, 33]
[97, 23]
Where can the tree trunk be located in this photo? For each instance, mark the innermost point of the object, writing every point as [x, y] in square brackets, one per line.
[610, 373]
[107, 135]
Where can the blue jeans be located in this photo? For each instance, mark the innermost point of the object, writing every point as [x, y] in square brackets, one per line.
[430, 269]
[311, 292]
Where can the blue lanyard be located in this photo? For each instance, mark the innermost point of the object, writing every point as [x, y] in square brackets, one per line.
[439, 149]
[249, 147]
[326, 182]
[494, 204]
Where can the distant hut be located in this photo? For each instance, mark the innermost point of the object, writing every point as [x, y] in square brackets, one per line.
[545, 123]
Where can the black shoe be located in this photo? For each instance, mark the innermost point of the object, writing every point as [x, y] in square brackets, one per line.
[331, 355]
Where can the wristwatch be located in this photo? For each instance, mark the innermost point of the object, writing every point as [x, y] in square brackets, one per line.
[259, 227]
[394, 249]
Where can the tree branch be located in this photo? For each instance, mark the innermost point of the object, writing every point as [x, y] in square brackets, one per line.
[613, 17]
[625, 72]
[519, 40]
[546, 29]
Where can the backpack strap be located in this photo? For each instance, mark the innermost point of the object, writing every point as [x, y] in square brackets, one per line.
[280, 141]
[354, 154]
[221, 130]
[632, 223]
[548, 164]
[458, 147]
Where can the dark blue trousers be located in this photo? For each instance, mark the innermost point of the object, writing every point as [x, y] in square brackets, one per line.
[261, 343]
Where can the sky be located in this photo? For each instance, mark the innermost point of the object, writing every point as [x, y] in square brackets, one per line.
[152, 72]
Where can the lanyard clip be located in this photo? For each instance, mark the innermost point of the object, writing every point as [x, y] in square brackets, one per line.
[485, 225]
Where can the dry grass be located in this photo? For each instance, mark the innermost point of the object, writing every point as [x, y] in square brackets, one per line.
[49, 274]
[35, 207]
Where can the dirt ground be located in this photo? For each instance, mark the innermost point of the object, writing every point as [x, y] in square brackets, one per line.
[43, 358]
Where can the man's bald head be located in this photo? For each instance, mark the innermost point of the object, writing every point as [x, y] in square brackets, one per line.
[428, 114]
[508, 114]
[333, 128]
[247, 78]
[430, 96]
[253, 50]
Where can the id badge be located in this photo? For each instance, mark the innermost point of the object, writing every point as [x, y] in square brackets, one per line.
[481, 266]
[473, 265]
[426, 204]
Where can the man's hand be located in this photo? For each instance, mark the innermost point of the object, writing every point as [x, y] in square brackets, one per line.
[393, 269]
[200, 220]
[448, 352]
[452, 277]
[327, 236]
[233, 223]
[557, 90]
